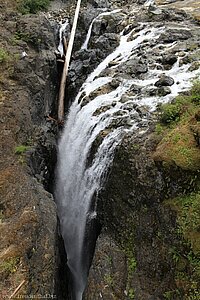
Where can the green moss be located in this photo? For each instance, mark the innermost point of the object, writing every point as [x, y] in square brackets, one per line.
[28, 37]
[4, 56]
[183, 107]
[159, 129]
[187, 257]
[131, 294]
[126, 240]
[171, 295]
[195, 92]
[109, 280]
[170, 113]
[180, 126]
[131, 263]
[23, 36]
[188, 208]
[179, 146]
[9, 266]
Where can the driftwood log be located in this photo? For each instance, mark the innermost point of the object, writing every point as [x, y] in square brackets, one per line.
[61, 97]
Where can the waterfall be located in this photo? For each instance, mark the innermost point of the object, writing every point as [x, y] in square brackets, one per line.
[85, 44]
[103, 115]
[63, 27]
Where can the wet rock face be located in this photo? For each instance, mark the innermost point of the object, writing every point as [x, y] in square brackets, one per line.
[164, 81]
[132, 212]
[140, 228]
[172, 35]
[37, 72]
[104, 39]
[28, 219]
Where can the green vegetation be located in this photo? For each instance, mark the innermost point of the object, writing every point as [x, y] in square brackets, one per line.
[131, 294]
[186, 257]
[179, 129]
[180, 126]
[33, 6]
[24, 36]
[28, 37]
[131, 263]
[9, 266]
[188, 208]
[182, 108]
[109, 280]
[21, 149]
[170, 295]
[1, 216]
[4, 56]
[159, 129]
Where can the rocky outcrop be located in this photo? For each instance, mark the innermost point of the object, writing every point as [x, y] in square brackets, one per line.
[28, 88]
[139, 254]
[132, 211]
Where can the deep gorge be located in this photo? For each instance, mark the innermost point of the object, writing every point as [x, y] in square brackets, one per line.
[147, 246]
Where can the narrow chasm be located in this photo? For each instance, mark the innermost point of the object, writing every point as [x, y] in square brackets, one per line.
[106, 206]
[127, 160]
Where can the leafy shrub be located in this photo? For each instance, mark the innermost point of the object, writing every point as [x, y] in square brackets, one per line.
[170, 113]
[33, 6]
[183, 105]
[195, 92]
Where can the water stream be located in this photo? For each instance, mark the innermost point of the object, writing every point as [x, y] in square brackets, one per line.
[77, 181]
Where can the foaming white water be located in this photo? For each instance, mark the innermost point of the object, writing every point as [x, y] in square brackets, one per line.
[148, 3]
[78, 181]
[124, 50]
[182, 82]
[62, 29]
[85, 44]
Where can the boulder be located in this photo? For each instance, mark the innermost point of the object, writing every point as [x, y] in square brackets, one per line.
[169, 59]
[163, 91]
[164, 81]
[175, 34]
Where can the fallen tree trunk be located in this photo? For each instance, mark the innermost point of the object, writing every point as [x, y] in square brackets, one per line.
[66, 65]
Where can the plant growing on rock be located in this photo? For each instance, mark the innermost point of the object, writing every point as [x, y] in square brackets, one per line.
[33, 6]
[180, 128]
[4, 56]
[9, 266]
[195, 92]
[187, 261]
[21, 149]
[183, 106]
[131, 294]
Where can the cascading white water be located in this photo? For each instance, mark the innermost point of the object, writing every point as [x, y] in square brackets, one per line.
[76, 181]
[85, 44]
[63, 27]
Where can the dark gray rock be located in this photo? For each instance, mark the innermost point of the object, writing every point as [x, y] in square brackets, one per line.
[164, 81]
[169, 59]
[106, 42]
[135, 67]
[163, 91]
[172, 35]
[100, 3]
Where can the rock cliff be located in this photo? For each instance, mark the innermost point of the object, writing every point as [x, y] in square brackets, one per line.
[146, 250]
[149, 207]
[28, 88]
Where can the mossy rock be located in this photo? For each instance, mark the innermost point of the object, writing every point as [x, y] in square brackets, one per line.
[179, 147]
